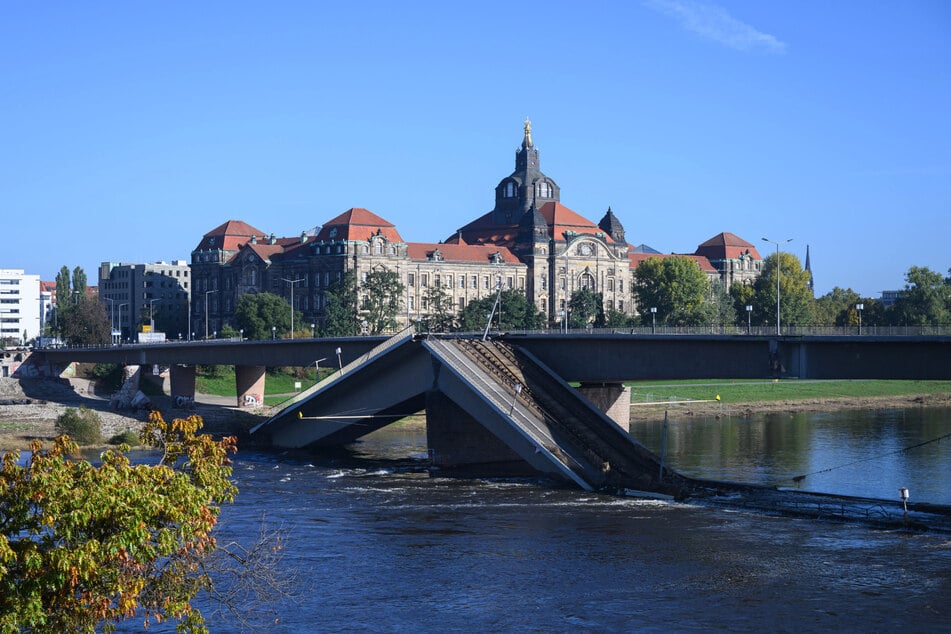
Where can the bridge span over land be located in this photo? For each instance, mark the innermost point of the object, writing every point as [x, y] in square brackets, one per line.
[505, 405]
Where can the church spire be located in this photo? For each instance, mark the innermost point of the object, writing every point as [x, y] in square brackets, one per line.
[808, 268]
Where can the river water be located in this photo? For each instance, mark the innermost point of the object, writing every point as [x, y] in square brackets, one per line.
[377, 545]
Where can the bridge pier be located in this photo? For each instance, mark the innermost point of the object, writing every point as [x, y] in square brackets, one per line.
[181, 383]
[249, 381]
[614, 399]
[460, 444]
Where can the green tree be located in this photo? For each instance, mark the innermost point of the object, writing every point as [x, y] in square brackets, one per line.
[585, 307]
[340, 314]
[676, 287]
[83, 425]
[514, 312]
[720, 306]
[742, 295]
[84, 322]
[925, 301]
[63, 288]
[833, 307]
[797, 305]
[79, 281]
[617, 319]
[382, 292]
[258, 313]
[84, 547]
[441, 317]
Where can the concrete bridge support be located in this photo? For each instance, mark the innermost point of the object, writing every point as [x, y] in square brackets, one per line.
[249, 381]
[614, 399]
[181, 383]
[460, 444]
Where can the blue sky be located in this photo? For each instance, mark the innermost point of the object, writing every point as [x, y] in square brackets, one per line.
[131, 129]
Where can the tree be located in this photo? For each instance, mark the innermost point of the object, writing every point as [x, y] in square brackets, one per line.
[63, 294]
[439, 309]
[341, 319]
[79, 281]
[926, 300]
[720, 306]
[585, 307]
[742, 295]
[617, 319]
[382, 293]
[84, 547]
[797, 305]
[514, 312]
[261, 315]
[676, 287]
[85, 322]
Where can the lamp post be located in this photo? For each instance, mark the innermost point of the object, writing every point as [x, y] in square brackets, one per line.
[749, 319]
[860, 308]
[151, 320]
[273, 333]
[292, 282]
[653, 320]
[112, 319]
[339, 358]
[778, 269]
[241, 334]
[214, 290]
[313, 331]
[120, 321]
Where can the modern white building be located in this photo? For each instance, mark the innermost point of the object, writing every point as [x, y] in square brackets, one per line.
[19, 306]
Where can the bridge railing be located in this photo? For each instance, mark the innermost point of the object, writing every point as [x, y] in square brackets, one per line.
[761, 331]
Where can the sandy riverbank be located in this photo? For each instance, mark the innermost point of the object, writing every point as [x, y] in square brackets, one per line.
[22, 422]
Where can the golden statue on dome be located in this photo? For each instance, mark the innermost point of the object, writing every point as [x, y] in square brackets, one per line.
[528, 132]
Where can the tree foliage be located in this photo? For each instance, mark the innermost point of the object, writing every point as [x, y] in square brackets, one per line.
[513, 313]
[440, 316]
[84, 322]
[83, 547]
[341, 319]
[925, 301]
[585, 307]
[258, 313]
[797, 305]
[676, 287]
[382, 293]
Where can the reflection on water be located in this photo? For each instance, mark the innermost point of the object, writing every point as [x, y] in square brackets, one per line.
[859, 453]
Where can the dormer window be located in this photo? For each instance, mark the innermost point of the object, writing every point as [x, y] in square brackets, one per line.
[509, 190]
[436, 256]
[544, 189]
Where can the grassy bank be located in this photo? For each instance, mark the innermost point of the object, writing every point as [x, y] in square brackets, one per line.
[755, 391]
[220, 382]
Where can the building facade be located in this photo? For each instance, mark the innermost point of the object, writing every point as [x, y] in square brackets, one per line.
[19, 306]
[156, 294]
[529, 241]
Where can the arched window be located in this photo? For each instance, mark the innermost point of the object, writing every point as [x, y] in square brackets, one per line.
[544, 190]
[587, 281]
[509, 190]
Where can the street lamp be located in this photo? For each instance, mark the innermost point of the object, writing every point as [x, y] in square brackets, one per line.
[112, 319]
[214, 290]
[860, 308]
[313, 331]
[151, 320]
[339, 358]
[292, 282]
[241, 334]
[653, 320]
[749, 319]
[273, 333]
[120, 321]
[778, 269]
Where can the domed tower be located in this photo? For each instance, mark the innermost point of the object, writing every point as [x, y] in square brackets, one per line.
[612, 226]
[526, 186]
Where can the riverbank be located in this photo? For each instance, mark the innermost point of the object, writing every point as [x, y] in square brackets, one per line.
[29, 408]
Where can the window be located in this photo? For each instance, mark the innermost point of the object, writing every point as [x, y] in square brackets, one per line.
[437, 280]
[485, 282]
[424, 280]
[509, 190]
[462, 303]
[610, 284]
[412, 303]
[544, 190]
[449, 281]
[378, 247]
[411, 279]
[509, 283]
[620, 304]
[475, 282]
[620, 286]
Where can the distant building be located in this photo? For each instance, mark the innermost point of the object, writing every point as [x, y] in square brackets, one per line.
[137, 294]
[890, 297]
[529, 241]
[19, 306]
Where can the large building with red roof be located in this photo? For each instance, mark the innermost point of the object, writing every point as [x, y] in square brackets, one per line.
[529, 241]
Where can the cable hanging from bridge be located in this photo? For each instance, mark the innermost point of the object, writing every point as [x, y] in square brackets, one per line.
[800, 478]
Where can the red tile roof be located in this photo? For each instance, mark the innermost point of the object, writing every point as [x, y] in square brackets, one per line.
[228, 236]
[560, 219]
[726, 246]
[704, 264]
[358, 224]
[474, 253]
